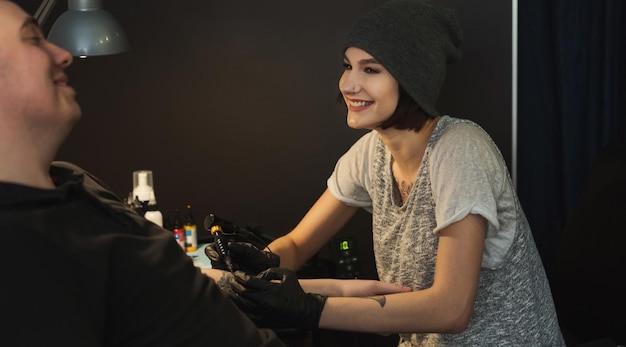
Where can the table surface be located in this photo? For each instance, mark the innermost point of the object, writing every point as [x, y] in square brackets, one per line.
[199, 257]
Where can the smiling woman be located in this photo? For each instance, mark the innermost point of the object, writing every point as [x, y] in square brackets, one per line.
[241, 108]
[446, 221]
[369, 90]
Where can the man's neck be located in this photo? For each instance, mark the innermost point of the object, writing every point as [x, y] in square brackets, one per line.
[27, 169]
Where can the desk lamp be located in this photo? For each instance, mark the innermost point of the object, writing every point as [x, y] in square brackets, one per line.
[85, 29]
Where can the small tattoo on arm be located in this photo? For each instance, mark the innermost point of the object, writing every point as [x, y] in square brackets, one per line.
[381, 299]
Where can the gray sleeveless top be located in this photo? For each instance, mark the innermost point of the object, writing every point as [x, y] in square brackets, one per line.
[462, 172]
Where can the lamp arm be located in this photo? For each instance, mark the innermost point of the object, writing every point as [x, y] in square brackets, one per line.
[44, 10]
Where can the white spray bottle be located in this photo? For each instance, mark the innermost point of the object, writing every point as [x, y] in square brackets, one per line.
[143, 190]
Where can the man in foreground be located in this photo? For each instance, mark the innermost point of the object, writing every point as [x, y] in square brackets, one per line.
[79, 268]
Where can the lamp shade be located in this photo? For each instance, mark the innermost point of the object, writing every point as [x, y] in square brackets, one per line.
[88, 30]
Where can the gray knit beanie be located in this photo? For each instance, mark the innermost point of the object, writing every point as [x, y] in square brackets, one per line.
[413, 40]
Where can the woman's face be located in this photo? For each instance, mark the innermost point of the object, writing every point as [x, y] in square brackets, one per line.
[370, 92]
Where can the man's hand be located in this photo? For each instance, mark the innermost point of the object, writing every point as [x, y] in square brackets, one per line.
[274, 299]
[245, 256]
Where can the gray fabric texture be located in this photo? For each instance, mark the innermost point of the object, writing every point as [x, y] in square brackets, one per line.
[462, 172]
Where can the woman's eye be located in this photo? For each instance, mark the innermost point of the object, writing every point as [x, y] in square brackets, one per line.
[347, 66]
[370, 70]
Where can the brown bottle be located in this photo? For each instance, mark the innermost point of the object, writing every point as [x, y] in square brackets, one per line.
[178, 230]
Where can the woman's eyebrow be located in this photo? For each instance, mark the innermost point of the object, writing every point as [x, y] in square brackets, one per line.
[364, 61]
[368, 61]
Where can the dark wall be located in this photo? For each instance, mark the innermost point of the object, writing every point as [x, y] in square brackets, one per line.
[232, 104]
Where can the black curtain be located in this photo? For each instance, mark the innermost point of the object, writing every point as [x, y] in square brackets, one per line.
[571, 104]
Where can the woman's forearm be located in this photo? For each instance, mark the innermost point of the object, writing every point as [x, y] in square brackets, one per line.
[392, 313]
[350, 287]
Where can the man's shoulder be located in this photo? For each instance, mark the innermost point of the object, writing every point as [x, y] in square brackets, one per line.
[67, 165]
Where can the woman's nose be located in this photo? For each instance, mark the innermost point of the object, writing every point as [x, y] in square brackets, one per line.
[347, 84]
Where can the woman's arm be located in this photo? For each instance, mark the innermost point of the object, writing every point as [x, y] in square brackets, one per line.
[350, 287]
[332, 287]
[445, 307]
[325, 218]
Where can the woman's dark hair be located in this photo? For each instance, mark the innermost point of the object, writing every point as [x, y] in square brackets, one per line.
[408, 115]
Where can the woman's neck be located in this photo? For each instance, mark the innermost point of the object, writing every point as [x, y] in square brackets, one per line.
[407, 147]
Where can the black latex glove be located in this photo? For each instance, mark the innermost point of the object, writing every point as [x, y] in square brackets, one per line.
[274, 299]
[246, 257]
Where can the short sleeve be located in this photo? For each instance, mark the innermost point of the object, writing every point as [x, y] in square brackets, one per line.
[469, 176]
[350, 181]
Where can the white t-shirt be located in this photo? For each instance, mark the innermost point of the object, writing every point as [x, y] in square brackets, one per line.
[462, 172]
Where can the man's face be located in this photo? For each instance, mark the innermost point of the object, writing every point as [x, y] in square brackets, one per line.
[33, 85]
